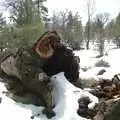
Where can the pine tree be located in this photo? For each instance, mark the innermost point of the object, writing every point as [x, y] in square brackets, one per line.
[117, 31]
[26, 11]
[117, 26]
[2, 27]
[2, 22]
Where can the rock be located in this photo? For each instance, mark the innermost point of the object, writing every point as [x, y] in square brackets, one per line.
[84, 100]
[85, 68]
[36, 115]
[83, 110]
[98, 92]
[49, 113]
[32, 117]
[101, 72]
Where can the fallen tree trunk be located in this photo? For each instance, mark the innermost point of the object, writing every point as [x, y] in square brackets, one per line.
[28, 72]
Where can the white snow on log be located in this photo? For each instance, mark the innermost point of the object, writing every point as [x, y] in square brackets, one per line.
[66, 98]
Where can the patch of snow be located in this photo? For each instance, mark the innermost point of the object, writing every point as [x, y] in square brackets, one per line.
[92, 73]
[88, 60]
[84, 55]
[10, 110]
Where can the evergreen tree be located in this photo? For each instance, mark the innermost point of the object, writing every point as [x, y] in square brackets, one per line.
[26, 24]
[2, 22]
[26, 11]
[2, 28]
[101, 20]
[117, 31]
[117, 26]
[109, 30]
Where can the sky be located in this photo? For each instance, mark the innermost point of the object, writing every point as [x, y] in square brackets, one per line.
[101, 6]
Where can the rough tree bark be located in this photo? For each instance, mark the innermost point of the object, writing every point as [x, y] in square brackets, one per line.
[27, 78]
[26, 81]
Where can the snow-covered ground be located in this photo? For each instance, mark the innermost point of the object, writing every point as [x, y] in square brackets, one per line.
[66, 100]
[65, 94]
[88, 60]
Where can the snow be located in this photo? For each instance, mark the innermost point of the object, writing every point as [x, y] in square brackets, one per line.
[88, 60]
[65, 96]
[10, 110]
[87, 57]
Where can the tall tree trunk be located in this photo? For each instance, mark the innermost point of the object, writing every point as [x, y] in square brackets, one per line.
[88, 35]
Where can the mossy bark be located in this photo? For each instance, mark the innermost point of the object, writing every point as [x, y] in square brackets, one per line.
[26, 69]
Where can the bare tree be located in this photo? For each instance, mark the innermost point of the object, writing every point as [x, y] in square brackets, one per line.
[64, 19]
[55, 22]
[59, 21]
[90, 10]
[103, 17]
[101, 20]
